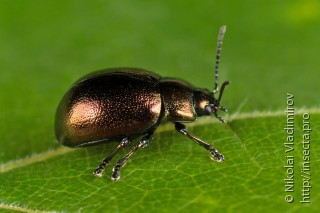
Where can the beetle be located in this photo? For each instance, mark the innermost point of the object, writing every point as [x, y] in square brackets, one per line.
[121, 104]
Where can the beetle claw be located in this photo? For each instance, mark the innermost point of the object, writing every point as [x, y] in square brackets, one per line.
[216, 155]
[97, 173]
[116, 173]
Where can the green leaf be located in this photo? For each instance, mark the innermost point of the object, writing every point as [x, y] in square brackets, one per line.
[172, 174]
[268, 51]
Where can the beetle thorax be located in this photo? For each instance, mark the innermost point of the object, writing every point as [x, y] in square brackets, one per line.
[177, 99]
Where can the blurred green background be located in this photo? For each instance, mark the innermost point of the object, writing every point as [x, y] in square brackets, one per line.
[270, 48]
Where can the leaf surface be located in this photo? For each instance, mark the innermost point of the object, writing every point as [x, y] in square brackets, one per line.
[268, 52]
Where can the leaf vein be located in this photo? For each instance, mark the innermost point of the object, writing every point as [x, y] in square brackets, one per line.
[20, 208]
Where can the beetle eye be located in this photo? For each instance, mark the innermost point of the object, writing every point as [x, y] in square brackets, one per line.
[208, 109]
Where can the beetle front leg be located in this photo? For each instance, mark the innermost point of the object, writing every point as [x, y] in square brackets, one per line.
[120, 163]
[183, 130]
[106, 161]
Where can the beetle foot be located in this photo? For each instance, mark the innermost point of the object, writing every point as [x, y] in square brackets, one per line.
[116, 173]
[98, 171]
[216, 155]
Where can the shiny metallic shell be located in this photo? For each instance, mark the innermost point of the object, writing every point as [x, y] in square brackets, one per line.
[110, 104]
[178, 100]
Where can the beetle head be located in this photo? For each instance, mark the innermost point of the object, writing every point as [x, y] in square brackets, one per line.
[207, 104]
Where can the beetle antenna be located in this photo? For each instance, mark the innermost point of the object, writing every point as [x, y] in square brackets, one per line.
[219, 45]
[222, 89]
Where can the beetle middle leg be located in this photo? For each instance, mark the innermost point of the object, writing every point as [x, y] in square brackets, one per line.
[183, 130]
[106, 161]
[121, 162]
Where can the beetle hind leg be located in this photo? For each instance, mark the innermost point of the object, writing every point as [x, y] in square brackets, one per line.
[121, 162]
[106, 161]
[183, 130]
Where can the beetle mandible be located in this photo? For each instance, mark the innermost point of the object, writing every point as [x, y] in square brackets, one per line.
[124, 103]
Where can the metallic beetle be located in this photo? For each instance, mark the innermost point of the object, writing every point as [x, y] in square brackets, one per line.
[124, 103]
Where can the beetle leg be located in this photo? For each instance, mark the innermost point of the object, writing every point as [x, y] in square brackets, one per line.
[121, 162]
[99, 170]
[183, 130]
